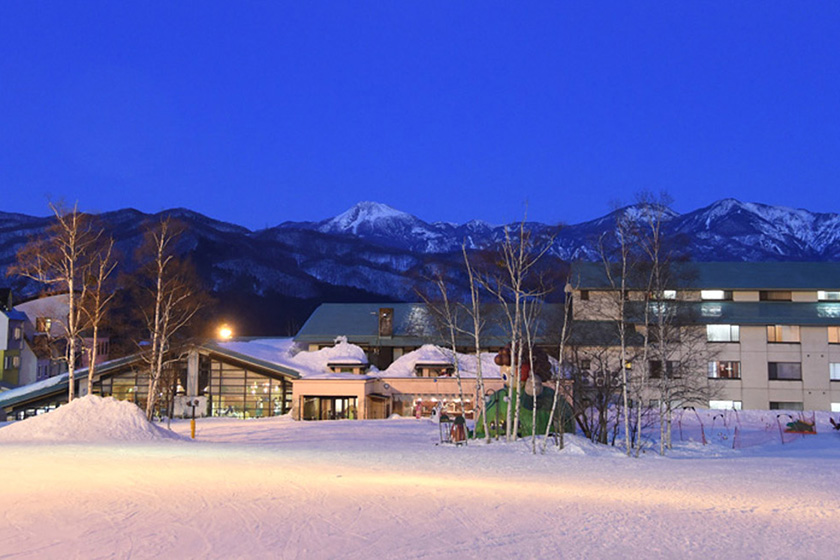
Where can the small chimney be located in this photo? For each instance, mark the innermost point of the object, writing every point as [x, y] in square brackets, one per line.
[386, 321]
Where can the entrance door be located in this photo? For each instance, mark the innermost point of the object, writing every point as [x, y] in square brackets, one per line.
[329, 408]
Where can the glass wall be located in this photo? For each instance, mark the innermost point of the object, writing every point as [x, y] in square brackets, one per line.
[131, 385]
[330, 408]
[240, 393]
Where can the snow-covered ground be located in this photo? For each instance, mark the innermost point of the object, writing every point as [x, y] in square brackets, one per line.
[275, 488]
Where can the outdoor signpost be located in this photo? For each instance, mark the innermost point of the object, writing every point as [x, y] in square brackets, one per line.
[194, 402]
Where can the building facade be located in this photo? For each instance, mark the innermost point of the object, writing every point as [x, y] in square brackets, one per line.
[771, 331]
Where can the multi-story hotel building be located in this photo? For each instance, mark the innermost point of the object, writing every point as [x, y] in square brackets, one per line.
[771, 331]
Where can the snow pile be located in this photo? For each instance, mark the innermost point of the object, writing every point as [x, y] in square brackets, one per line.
[580, 446]
[87, 419]
[429, 353]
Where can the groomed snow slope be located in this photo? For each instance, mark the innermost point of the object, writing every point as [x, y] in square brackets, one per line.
[276, 488]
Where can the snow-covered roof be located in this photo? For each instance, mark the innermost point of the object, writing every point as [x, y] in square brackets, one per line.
[315, 365]
[429, 354]
[284, 353]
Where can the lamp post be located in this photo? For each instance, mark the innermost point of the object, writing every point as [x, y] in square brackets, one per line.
[488, 399]
[225, 332]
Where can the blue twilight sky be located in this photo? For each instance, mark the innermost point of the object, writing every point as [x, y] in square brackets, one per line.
[261, 112]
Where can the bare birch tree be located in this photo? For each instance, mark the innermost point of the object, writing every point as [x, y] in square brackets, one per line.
[173, 299]
[100, 269]
[59, 261]
[519, 255]
[475, 313]
[445, 312]
[618, 276]
[558, 374]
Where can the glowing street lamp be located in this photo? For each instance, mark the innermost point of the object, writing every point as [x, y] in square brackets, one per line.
[225, 332]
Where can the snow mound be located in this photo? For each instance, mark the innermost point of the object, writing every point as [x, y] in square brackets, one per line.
[87, 419]
[581, 447]
[428, 353]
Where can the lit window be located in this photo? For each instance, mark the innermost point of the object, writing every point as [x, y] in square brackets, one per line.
[723, 333]
[16, 361]
[834, 371]
[828, 296]
[658, 308]
[835, 407]
[782, 333]
[725, 405]
[828, 310]
[725, 370]
[834, 335]
[17, 333]
[715, 294]
[784, 371]
[664, 294]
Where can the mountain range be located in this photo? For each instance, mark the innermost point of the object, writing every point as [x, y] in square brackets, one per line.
[373, 252]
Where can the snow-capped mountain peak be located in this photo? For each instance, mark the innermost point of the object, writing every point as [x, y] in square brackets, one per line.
[365, 215]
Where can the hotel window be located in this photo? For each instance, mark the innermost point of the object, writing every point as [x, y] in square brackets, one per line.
[786, 405]
[716, 295]
[822, 295]
[782, 333]
[775, 295]
[671, 369]
[725, 370]
[834, 371]
[784, 371]
[725, 405]
[834, 335]
[659, 308]
[723, 333]
[663, 295]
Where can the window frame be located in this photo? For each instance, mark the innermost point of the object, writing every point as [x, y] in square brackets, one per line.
[717, 366]
[778, 334]
[733, 337]
[775, 295]
[773, 371]
[716, 295]
[672, 369]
